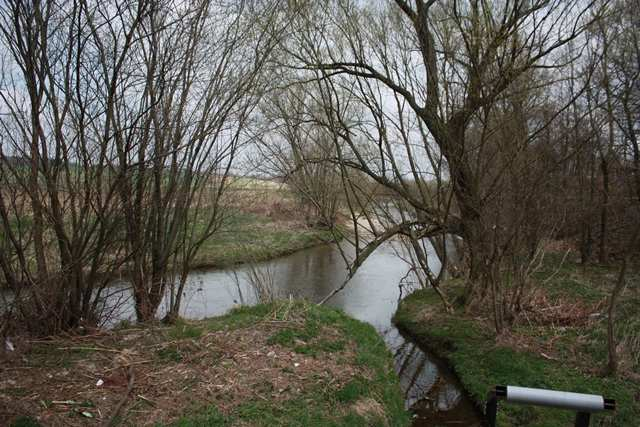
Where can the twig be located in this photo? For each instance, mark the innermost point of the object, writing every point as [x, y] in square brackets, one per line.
[65, 402]
[149, 401]
[90, 349]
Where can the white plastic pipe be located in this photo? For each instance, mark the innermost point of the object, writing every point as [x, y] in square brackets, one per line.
[558, 399]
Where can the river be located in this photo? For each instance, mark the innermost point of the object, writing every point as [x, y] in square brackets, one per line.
[431, 392]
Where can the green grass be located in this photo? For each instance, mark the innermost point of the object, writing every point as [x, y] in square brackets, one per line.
[352, 391]
[170, 354]
[184, 330]
[239, 317]
[469, 347]
[247, 237]
[204, 418]
[25, 422]
[302, 340]
[319, 404]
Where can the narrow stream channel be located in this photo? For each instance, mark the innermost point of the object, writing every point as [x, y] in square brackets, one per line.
[431, 392]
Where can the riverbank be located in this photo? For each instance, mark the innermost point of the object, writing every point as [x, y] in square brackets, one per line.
[559, 342]
[262, 221]
[247, 237]
[286, 363]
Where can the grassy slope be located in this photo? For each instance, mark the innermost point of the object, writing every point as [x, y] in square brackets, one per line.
[320, 404]
[468, 344]
[362, 391]
[250, 237]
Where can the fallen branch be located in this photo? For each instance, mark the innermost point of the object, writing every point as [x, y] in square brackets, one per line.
[149, 401]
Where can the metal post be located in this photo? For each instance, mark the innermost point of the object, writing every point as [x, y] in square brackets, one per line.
[582, 419]
[491, 410]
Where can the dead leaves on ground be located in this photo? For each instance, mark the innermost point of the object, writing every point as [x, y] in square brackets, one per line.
[540, 310]
[77, 380]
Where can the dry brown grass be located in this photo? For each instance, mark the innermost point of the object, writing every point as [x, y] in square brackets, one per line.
[539, 309]
[369, 409]
[156, 379]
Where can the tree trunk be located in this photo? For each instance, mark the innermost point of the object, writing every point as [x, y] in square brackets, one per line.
[604, 211]
[612, 364]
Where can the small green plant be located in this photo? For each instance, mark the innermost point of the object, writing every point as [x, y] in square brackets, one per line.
[183, 330]
[353, 390]
[290, 337]
[284, 337]
[210, 417]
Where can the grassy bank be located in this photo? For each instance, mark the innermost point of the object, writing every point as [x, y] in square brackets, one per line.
[252, 237]
[559, 342]
[286, 363]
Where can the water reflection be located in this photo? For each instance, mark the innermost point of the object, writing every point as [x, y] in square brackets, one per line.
[430, 391]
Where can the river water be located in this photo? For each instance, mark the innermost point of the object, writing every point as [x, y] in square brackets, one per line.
[430, 391]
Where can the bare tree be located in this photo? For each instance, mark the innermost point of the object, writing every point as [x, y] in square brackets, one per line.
[58, 207]
[620, 44]
[176, 160]
[296, 149]
[121, 122]
[447, 70]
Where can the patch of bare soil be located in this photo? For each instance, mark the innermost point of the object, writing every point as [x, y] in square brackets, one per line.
[143, 377]
[369, 409]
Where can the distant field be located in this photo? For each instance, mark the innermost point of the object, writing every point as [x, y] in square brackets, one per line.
[261, 220]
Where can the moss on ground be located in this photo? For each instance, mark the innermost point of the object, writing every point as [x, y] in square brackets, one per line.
[286, 364]
[563, 357]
